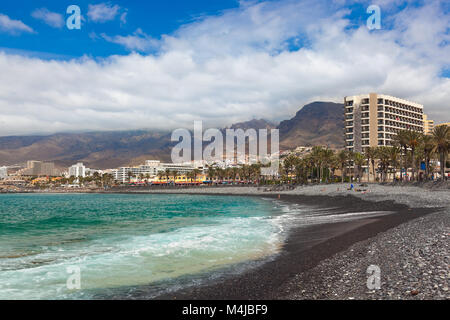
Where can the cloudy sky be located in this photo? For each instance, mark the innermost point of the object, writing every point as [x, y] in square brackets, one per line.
[164, 64]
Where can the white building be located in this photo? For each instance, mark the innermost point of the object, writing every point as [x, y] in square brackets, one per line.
[3, 172]
[77, 170]
[150, 168]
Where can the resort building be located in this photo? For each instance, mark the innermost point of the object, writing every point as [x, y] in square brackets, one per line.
[3, 172]
[77, 170]
[428, 125]
[151, 168]
[39, 168]
[373, 120]
[444, 124]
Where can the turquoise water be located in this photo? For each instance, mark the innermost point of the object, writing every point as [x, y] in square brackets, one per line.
[125, 240]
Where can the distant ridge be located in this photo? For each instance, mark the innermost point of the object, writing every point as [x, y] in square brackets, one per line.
[315, 123]
[255, 124]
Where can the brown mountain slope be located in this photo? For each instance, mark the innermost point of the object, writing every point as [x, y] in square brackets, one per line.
[97, 150]
[317, 123]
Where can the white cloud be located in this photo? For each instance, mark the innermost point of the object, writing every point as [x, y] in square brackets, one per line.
[138, 41]
[231, 68]
[53, 19]
[123, 18]
[14, 27]
[102, 12]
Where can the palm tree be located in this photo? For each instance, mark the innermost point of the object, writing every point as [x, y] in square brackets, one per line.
[130, 175]
[371, 155]
[401, 140]
[428, 151]
[167, 174]
[195, 173]
[413, 141]
[211, 173]
[289, 164]
[175, 175]
[161, 174]
[441, 141]
[384, 161]
[394, 154]
[359, 161]
[327, 159]
[342, 158]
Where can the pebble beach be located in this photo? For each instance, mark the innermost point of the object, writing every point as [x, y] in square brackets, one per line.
[413, 256]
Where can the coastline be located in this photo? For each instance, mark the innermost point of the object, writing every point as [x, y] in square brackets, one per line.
[276, 278]
[329, 261]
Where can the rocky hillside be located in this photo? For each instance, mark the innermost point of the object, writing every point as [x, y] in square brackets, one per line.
[316, 123]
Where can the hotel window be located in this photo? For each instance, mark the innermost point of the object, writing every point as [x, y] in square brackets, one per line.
[365, 142]
[365, 128]
[380, 142]
[380, 135]
[380, 101]
[380, 128]
[365, 101]
[349, 136]
[380, 114]
[380, 108]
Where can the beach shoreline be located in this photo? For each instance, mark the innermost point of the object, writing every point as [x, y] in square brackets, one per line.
[274, 279]
[330, 261]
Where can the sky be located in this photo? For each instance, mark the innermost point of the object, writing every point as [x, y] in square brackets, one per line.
[165, 64]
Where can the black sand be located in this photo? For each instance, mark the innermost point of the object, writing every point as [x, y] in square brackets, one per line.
[304, 249]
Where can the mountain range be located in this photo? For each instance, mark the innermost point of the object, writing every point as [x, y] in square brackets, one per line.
[318, 123]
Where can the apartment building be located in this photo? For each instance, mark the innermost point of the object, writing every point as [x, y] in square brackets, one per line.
[373, 120]
[151, 168]
[39, 168]
[77, 170]
[428, 125]
[3, 172]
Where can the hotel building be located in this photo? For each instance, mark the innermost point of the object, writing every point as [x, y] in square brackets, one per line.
[39, 168]
[372, 120]
[152, 168]
[77, 170]
[3, 172]
[428, 125]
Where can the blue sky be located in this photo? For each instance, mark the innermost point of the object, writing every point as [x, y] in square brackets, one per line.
[155, 18]
[165, 64]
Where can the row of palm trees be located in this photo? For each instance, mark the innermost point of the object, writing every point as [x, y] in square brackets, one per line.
[101, 180]
[246, 172]
[409, 150]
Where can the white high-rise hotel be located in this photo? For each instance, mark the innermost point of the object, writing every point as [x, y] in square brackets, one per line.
[373, 120]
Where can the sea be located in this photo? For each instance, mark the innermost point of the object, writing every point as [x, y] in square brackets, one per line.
[101, 246]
